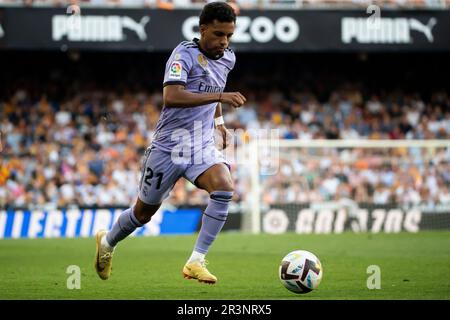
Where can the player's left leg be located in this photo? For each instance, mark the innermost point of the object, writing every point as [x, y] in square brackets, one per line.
[158, 176]
[128, 221]
[217, 181]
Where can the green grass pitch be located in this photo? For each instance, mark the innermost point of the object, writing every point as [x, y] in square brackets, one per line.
[413, 266]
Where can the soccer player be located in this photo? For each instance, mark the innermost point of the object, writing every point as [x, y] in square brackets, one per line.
[183, 144]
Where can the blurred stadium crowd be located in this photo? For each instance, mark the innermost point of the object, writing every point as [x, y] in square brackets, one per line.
[69, 143]
[403, 176]
[238, 4]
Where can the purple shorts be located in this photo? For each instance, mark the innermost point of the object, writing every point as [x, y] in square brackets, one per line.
[161, 170]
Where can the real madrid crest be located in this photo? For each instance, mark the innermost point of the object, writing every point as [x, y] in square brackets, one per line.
[202, 60]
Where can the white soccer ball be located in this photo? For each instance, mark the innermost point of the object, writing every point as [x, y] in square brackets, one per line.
[300, 271]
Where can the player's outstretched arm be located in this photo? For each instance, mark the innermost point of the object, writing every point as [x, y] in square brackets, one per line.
[177, 96]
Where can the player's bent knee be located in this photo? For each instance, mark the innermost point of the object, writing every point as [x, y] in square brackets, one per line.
[144, 212]
[223, 184]
[224, 187]
[144, 216]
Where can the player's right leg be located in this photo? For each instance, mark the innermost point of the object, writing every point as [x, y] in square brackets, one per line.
[159, 175]
[214, 177]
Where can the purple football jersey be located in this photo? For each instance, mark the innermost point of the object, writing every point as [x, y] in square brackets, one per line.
[188, 65]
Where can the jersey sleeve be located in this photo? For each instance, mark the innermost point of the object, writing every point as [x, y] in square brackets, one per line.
[178, 67]
[233, 60]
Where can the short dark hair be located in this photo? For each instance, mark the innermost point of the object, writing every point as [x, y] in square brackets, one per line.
[219, 11]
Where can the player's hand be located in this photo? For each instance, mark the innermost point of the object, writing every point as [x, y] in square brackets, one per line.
[236, 99]
[223, 137]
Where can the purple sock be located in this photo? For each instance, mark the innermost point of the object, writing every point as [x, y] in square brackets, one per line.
[123, 227]
[213, 219]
